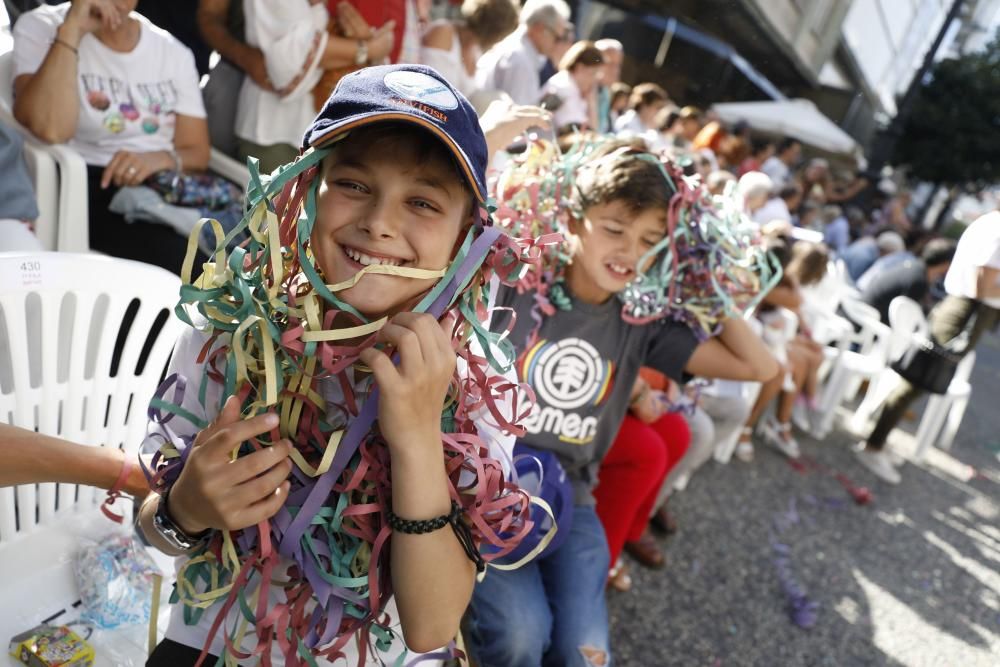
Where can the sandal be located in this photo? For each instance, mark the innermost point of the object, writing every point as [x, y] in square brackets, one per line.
[744, 448]
[780, 436]
[619, 578]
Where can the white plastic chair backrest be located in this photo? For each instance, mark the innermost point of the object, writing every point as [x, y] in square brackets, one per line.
[60, 317]
[907, 321]
[874, 334]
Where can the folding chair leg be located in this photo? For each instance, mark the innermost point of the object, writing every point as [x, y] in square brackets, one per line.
[953, 421]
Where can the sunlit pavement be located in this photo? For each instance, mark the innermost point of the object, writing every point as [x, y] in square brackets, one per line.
[911, 579]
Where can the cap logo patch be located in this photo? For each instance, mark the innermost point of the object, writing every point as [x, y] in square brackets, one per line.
[421, 88]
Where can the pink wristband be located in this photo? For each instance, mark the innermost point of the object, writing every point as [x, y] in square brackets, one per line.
[115, 492]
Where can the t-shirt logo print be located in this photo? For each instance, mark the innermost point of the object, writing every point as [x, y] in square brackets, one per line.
[569, 373]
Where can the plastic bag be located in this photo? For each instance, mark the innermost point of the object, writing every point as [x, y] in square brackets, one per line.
[115, 579]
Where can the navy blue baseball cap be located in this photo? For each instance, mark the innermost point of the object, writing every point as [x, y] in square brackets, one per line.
[409, 94]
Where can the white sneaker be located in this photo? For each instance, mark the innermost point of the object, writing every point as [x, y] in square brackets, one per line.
[780, 437]
[880, 464]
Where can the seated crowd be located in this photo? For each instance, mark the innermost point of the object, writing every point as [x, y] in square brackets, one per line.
[126, 94]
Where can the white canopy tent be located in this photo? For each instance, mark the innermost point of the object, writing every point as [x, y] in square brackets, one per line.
[796, 118]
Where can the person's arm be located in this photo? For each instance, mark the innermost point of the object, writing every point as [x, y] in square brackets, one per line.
[343, 51]
[439, 36]
[503, 122]
[737, 353]
[46, 102]
[987, 283]
[212, 18]
[431, 574]
[27, 457]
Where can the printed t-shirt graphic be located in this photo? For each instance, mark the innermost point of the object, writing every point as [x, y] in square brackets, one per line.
[571, 381]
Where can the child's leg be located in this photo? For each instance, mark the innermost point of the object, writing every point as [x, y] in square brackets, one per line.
[575, 577]
[768, 391]
[496, 641]
[632, 471]
[797, 360]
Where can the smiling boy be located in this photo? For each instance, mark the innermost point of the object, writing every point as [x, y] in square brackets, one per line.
[396, 192]
[582, 362]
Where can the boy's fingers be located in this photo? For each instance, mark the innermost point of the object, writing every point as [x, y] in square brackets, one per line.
[259, 488]
[231, 435]
[230, 413]
[382, 367]
[406, 341]
[266, 507]
[250, 466]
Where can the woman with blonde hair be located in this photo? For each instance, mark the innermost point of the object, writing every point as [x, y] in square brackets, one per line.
[454, 47]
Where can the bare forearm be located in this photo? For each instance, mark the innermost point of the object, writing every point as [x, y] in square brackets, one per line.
[988, 283]
[211, 19]
[431, 573]
[42, 104]
[27, 457]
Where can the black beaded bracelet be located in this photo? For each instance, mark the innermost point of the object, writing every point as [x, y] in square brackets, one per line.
[454, 517]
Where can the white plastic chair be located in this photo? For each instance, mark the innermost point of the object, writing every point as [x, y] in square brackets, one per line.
[907, 323]
[60, 317]
[944, 412]
[850, 367]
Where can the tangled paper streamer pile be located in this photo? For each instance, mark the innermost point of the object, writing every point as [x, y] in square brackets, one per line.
[276, 332]
[710, 264]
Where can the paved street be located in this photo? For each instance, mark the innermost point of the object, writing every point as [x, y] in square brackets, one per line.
[911, 579]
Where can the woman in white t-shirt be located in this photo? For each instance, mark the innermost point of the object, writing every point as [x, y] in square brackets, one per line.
[124, 94]
[575, 84]
[453, 47]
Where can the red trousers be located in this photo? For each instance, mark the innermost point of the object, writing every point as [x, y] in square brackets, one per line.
[633, 472]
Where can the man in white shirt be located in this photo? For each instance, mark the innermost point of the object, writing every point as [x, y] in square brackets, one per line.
[779, 165]
[513, 64]
[972, 306]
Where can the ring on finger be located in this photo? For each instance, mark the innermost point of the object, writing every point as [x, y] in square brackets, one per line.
[130, 171]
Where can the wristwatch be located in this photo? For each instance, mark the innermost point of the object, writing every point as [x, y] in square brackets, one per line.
[168, 529]
[361, 55]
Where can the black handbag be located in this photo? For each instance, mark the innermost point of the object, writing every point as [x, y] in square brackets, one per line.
[930, 365]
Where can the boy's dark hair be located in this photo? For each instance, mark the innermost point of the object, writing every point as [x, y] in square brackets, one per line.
[938, 251]
[647, 93]
[625, 176]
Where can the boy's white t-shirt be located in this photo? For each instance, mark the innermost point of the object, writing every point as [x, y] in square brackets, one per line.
[979, 246]
[184, 363]
[128, 101]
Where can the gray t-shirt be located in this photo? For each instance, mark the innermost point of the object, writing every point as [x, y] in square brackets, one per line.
[582, 367]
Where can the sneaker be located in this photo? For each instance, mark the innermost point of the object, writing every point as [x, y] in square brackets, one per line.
[879, 464]
[780, 437]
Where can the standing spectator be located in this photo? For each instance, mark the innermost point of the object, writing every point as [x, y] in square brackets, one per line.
[576, 85]
[761, 150]
[911, 278]
[513, 65]
[755, 189]
[836, 229]
[691, 123]
[860, 255]
[292, 35]
[124, 94]
[780, 207]
[620, 93]
[454, 47]
[779, 166]
[640, 119]
[971, 307]
[613, 54]
[178, 18]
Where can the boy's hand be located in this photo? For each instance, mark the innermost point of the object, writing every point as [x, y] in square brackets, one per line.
[216, 492]
[412, 393]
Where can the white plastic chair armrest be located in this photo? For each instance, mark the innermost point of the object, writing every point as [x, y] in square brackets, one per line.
[228, 168]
